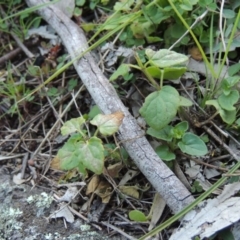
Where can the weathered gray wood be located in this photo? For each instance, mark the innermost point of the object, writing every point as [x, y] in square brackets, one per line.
[105, 96]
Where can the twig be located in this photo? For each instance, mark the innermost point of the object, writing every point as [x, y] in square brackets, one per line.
[198, 19]
[118, 230]
[227, 148]
[18, 41]
[24, 164]
[204, 163]
[10, 55]
[105, 96]
[22, 46]
[84, 218]
[57, 121]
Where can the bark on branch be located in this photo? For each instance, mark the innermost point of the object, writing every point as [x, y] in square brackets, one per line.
[105, 96]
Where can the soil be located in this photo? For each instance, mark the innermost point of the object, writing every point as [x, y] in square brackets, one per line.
[24, 215]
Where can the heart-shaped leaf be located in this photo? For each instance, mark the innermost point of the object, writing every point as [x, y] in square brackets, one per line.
[108, 124]
[122, 70]
[138, 216]
[163, 134]
[227, 101]
[88, 154]
[227, 116]
[165, 153]
[192, 145]
[165, 58]
[160, 107]
[73, 125]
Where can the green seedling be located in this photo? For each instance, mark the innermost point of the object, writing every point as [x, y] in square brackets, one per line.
[227, 98]
[82, 151]
[196, 187]
[175, 138]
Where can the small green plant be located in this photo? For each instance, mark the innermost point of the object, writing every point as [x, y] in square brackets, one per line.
[228, 96]
[175, 138]
[138, 216]
[161, 106]
[196, 187]
[82, 151]
[11, 92]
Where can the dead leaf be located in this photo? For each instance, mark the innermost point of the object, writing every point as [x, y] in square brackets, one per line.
[63, 212]
[130, 191]
[69, 195]
[104, 191]
[113, 170]
[157, 210]
[55, 163]
[18, 180]
[118, 116]
[195, 53]
[130, 174]
[92, 185]
[43, 31]
[114, 119]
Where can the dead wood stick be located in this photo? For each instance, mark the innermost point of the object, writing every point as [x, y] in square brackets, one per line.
[158, 174]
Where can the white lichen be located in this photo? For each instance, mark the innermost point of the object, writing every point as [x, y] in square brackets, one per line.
[42, 200]
[85, 227]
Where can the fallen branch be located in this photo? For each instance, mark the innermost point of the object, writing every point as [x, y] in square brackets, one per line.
[158, 174]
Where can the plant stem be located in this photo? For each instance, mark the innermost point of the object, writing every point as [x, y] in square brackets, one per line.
[143, 69]
[209, 66]
[230, 41]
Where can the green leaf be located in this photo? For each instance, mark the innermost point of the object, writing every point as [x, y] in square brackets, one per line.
[196, 187]
[227, 101]
[80, 2]
[89, 154]
[155, 14]
[154, 71]
[227, 116]
[151, 39]
[186, 6]
[165, 153]
[179, 129]
[122, 70]
[163, 134]
[160, 107]
[192, 145]
[228, 13]
[174, 72]
[77, 11]
[165, 58]
[185, 102]
[234, 69]
[113, 152]
[73, 125]
[68, 155]
[137, 216]
[52, 92]
[95, 110]
[72, 83]
[124, 5]
[238, 122]
[168, 73]
[108, 124]
[231, 81]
